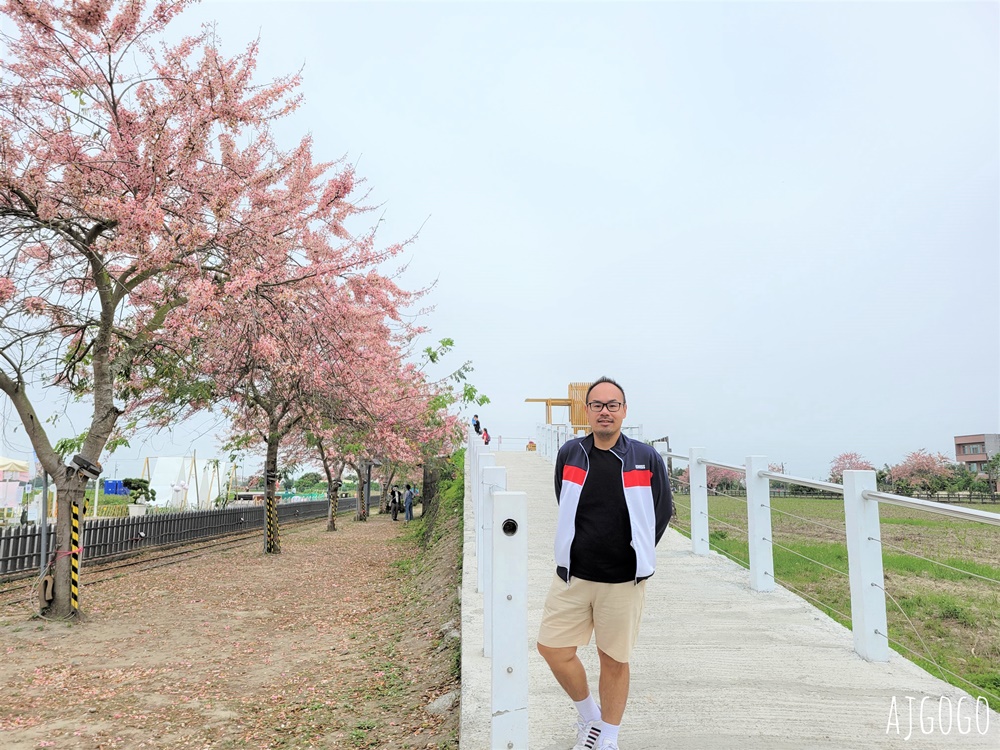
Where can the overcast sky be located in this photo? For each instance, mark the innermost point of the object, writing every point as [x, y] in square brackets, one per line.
[777, 224]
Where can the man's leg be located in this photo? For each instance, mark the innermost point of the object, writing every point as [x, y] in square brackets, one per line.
[613, 688]
[568, 670]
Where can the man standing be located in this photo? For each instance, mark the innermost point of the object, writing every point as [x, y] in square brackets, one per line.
[408, 504]
[614, 505]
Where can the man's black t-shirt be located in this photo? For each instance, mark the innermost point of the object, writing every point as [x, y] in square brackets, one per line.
[602, 546]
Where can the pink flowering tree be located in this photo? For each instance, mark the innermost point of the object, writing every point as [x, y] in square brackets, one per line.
[399, 419]
[847, 462]
[920, 470]
[717, 478]
[140, 188]
[721, 479]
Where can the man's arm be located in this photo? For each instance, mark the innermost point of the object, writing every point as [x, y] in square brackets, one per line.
[663, 498]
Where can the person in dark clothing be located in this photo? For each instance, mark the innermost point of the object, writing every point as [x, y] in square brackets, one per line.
[475, 424]
[394, 503]
[614, 505]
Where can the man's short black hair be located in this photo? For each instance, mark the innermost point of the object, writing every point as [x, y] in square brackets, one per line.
[604, 379]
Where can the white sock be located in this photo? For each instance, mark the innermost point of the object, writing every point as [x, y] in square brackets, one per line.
[588, 709]
[610, 731]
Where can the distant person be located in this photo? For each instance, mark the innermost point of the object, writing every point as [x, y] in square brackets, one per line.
[614, 505]
[408, 504]
[475, 424]
[394, 502]
[24, 516]
[486, 436]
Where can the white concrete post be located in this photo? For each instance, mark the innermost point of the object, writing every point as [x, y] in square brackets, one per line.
[472, 461]
[494, 480]
[759, 525]
[864, 561]
[509, 726]
[486, 460]
[698, 477]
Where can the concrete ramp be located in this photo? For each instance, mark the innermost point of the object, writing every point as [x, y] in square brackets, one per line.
[717, 665]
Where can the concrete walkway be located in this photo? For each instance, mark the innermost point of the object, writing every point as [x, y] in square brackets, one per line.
[717, 665]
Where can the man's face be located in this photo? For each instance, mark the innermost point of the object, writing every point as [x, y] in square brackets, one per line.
[606, 424]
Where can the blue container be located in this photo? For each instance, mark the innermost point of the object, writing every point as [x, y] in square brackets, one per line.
[114, 487]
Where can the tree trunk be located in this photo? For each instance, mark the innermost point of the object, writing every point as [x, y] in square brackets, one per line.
[272, 533]
[70, 489]
[431, 476]
[332, 489]
[361, 513]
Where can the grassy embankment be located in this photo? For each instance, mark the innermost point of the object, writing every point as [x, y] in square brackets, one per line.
[947, 615]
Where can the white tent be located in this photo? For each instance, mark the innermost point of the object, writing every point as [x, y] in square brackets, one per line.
[180, 485]
[14, 466]
[12, 473]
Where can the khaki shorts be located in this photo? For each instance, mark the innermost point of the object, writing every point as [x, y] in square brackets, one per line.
[612, 611]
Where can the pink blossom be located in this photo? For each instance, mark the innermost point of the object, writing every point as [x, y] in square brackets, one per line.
[34, 305]
[7, 289]
[845, 462]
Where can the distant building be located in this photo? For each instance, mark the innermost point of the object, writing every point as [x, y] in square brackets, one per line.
[976, 450]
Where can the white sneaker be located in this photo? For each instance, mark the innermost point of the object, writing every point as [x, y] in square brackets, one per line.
[587, 735]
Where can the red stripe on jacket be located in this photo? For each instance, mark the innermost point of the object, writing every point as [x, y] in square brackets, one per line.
[574, 474]
[637, 478]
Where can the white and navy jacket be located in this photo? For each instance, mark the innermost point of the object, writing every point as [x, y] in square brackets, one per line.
[647, 495]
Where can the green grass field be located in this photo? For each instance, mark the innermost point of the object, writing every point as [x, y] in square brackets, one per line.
[946, 619]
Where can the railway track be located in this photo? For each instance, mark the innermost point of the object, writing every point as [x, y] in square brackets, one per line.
[24, 589]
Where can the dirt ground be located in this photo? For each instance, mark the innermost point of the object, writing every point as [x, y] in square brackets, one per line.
[342, 640]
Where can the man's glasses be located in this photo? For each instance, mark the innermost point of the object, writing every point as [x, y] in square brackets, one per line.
[611, 406]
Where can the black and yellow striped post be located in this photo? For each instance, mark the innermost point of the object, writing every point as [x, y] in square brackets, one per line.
[74, 560]
[272, 542]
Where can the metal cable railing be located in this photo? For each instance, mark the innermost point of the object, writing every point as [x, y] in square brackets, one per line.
[731, 556]
[807, 520]
[935, 562]
[767, 511]
[805, 595]
[943, 670]
[806, 557]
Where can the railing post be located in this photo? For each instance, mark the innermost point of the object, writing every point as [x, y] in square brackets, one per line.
[698, 477]
[494, 480]
[472, 459]
[486, 460]
[864, 561]
[759, 525]
[509, 726]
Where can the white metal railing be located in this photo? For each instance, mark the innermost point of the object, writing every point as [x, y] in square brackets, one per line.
[864, 545]
[502, 558]
[552, 436]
